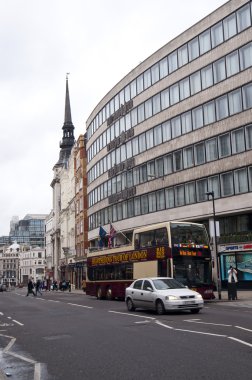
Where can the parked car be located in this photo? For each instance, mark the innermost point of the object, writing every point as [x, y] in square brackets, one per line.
[162, 294]
[3, 288]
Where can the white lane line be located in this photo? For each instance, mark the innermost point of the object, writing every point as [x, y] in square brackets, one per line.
[1, 313]
[9, 317]
[240, 341]
[10, 344]
[19, 323]
[22, 357]
[37, 371]
[166, 326]
[208, 323]
[75, 304]
[132, 315]
[138, 322]
[200, 332]
[243, 328]
[53, 301]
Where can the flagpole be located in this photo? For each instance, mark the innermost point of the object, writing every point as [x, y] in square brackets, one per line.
[118, 230]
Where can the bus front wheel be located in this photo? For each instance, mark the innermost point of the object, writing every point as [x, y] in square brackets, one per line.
[99, 293]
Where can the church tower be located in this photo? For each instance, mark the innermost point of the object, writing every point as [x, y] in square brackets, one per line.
[68, 132]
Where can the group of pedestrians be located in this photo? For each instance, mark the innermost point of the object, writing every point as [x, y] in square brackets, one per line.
[34, 288]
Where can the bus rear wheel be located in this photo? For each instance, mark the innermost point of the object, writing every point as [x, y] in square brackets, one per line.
[109, 294]
[99, 293]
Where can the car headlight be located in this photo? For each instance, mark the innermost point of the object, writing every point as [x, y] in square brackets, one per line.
[199, 296]
[171, 298]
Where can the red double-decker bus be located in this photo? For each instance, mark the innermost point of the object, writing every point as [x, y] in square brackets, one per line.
[170, 249]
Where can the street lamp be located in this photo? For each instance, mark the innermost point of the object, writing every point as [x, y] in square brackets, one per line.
[211, 194]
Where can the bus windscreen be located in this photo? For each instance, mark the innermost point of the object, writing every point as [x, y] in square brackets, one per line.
[188, 234]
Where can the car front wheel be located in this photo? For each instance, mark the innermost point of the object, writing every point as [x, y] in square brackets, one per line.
[130, 304]
[160, 307]
[195, 311]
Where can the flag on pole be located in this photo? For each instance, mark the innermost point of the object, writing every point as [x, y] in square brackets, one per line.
[112, 233]
[102, 234]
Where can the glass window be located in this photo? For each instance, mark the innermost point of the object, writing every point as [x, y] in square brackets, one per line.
[140, 84]
[250, 178]
[160, 195]
[135, 147]
[129, 149]
[246, 56]
[122, 124]
[127, 93]
[193, 49]
[241, 181]
[219, 70]
[209, 113]
[214, 185]
[247, 96]
[188, 157]
[118, 155]
[143, 173]
[158, 135]
[199, 153]
[205, 42]
[133, 88]
[201, 190]
[136, 178]
[169, 198]
[174, 94]
[227, 185]
[152, 202]
[195, 83]
[243, 18]
[142, 142]
[125, 180]
[179, 195]
[184, 88]
[186, 122]
[232, 63]
[156, 104]
[248, 132]
[117, 102]
[221, 107]
[144, 204]
[140, 113]
[217, 34]
[137, 206]
[134, 117]
[211, 150]
[168, 165]
[127, 121]
[176, 127]
[129, 182]
[235, 102]
[117, 128]
[182, 56]
[149, 139]
[147, 78]
[165, 99]
[224, 145]
[155, 73]
[148, 108]
[207, 77]
[229, 24]
[159, 167]
[130, 208]
[177, 160]
[173, 61]
[238, 143]
[166, 129]
[151, 170]
[197, 117]
[190, 196]
[163, 65]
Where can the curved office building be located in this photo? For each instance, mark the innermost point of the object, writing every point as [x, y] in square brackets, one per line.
[177, 127]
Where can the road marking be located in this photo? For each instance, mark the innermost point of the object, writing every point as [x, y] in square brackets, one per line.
[132, 315]
[75, 304]
[53, 301]
[142, 322]
[240, 341]
[207, 323]
[191, 331]
[37, 371]
[166, 326]
[10, 344]
[1, 313]
[19, 323]
[243, 328]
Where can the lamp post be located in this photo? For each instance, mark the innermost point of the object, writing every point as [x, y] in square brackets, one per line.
[211, 194]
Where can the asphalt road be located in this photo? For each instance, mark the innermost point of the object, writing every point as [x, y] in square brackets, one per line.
[73, 336]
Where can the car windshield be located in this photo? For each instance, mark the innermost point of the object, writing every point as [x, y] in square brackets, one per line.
[167, 283]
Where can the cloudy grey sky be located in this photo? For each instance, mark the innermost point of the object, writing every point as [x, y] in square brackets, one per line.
[98, 42]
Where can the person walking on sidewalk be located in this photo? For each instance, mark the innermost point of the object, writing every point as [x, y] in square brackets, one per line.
[38, 288]
[30, 288]
[232, 281]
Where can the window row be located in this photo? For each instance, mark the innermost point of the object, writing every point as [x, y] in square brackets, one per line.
[210, 112]
[224, 185]
[236, 141]
[207, 40]
[208, 76]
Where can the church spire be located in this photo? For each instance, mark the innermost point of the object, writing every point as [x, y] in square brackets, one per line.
[68, 131]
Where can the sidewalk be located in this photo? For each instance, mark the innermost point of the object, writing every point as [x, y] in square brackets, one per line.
[242, 295]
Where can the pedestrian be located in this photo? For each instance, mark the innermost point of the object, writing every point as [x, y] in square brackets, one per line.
[69, 286]
[30, 288]
[84, 285]
[38, 287]
[232, 281]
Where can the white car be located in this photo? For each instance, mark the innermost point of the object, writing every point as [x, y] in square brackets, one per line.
[162, 294]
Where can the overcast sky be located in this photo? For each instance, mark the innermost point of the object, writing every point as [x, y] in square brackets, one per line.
[98, 42]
